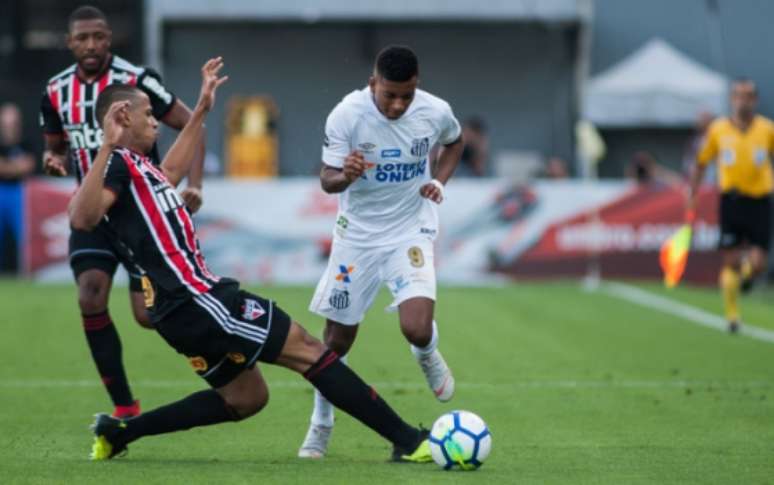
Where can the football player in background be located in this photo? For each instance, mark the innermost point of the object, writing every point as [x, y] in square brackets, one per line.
[72, 140]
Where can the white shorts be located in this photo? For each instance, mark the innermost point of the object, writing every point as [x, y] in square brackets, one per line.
[354, 276]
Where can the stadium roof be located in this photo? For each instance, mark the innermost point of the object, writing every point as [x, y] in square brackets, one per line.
[159, 12]
[656, 85]
[314, 10]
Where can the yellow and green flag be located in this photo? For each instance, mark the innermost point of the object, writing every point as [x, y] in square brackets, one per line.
[674, 255]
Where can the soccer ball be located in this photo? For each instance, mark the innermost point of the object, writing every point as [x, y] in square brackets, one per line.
[460, 439]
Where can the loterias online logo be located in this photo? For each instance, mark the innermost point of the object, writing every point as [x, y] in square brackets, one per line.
[398, 172]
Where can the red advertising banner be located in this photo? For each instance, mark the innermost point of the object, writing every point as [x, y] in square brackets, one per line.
[46, 225]
[489, 229]
[622, 238]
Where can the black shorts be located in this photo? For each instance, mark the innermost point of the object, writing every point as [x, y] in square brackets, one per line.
[226, 331]
[744, 220]
[95, 250]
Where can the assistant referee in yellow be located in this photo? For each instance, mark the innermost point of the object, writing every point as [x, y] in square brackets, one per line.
[741, 145]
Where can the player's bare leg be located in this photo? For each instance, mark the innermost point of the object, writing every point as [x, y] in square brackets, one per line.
[246, 395]
[419, 328]
[137, 301]
[730, 283]
[752, 264]
[103, 340]
[339, 338]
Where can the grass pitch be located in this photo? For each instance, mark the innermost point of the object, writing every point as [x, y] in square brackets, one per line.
[576, 387]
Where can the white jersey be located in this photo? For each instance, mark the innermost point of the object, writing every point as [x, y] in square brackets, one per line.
[384, 207]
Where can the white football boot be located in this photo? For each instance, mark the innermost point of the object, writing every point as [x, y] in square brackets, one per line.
[315, 444]
[438, 375]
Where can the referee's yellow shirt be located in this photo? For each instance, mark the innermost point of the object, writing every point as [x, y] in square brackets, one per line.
[743, 158]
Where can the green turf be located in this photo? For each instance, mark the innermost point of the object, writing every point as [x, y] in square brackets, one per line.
[756, 307]
[576, 387]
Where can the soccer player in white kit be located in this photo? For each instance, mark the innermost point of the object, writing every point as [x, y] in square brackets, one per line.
[375, 156]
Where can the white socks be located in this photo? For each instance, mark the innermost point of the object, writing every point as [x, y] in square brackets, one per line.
[421, 352]
[322, 415]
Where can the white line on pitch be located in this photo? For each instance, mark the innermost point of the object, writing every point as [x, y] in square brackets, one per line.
[687, 312]
[514, 385]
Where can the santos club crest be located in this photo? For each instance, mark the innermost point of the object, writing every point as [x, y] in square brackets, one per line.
[420, 146]
[339, 299]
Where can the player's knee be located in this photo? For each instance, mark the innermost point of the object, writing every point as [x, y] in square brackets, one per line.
[339, 338]
[92, 294]
[248, 403]
[418, 331]
[338, 343]
[417, 336]
[144, 321]
[142, 318]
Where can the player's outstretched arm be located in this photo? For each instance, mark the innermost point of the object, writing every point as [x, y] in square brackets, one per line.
[177, 163]
[177, 118]
[92, 200]
[448, 158]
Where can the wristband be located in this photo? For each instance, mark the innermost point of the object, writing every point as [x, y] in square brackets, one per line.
[438, 184]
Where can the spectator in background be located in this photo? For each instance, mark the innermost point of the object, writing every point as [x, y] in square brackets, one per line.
[16, 163]
[645, 170]
[556, 169]
[476, 152]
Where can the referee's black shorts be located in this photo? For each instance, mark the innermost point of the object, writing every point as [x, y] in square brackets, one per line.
[226, 331]
[744, 221]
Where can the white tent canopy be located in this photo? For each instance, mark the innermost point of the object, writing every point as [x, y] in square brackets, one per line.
[656, 85]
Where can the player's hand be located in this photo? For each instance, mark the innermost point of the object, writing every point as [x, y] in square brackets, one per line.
[114, 123]
[54, 164]
[192, 196]
[433, 191]
[210, 82]
[354, 166]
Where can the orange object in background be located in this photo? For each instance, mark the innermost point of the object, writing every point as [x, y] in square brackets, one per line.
[252, 143]
[674, 255]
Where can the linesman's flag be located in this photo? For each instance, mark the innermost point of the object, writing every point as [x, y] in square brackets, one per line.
[674, 255]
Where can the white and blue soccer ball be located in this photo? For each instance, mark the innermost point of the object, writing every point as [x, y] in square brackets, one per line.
[460, 439]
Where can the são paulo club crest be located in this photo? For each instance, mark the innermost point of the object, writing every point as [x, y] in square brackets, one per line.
[252, 310]
[420, 146]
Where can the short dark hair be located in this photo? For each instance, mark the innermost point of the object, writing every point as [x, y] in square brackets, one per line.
[745, 80]
[397, 63]
[85, 12]
[112, 94]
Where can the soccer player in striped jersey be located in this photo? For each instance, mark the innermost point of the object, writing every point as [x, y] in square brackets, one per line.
[68, 119]
[222, 330]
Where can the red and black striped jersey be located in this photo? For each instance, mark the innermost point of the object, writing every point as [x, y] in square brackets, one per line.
[68, 106]
[155, 228]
